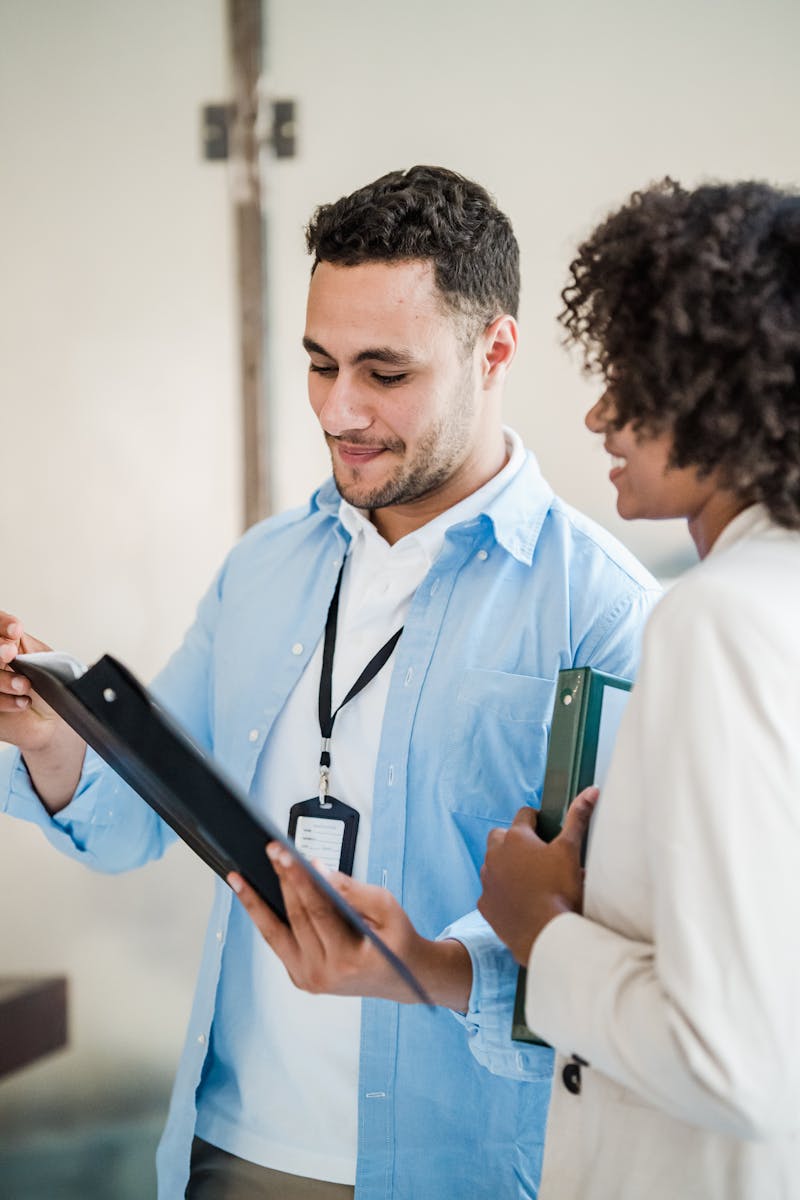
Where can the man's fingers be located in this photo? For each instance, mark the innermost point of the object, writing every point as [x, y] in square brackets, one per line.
[8, 651]
[337, 879]
[14, 640]
[311, 914]
[14, 685]
[31, 645]
[271, 928]
[579, 814]
[10, 626]
[371, 902]
[10, 637]
[15, 692]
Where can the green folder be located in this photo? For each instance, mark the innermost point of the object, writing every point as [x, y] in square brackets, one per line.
[586, 715]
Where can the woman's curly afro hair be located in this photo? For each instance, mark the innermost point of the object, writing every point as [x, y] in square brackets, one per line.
[688, 304]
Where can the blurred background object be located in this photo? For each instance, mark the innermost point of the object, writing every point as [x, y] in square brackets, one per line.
[154, 279]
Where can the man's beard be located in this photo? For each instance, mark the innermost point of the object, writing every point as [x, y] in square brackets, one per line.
[436, 459]
[439, 454]
[410, 481]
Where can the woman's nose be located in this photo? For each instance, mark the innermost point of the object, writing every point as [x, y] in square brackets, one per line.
[596, 417]
[603, 412]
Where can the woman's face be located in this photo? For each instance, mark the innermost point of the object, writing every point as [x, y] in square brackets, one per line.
[647, 486]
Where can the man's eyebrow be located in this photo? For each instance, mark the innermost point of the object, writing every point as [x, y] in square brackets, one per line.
[314, 348]
[382, 354]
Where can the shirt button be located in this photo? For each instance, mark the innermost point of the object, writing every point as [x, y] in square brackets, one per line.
[219, 935]
[253, 735]
[483, 555]
[201, 1041]
[297, 648]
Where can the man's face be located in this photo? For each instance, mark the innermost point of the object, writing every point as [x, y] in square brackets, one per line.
[392, 384]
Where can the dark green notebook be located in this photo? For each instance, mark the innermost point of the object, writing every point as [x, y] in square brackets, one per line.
[586, 715]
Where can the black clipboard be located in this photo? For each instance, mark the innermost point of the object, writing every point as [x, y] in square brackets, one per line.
[116, 715]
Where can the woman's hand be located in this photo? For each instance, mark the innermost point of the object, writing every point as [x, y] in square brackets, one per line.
[528, 882]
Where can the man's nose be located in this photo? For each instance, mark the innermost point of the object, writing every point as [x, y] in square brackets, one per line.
[343, 408]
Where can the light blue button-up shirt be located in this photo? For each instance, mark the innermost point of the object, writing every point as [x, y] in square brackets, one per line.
[524, 589]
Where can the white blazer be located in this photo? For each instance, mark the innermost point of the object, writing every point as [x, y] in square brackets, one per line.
[680, 985]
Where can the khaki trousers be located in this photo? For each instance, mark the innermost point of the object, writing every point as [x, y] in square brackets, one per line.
[217, 1175]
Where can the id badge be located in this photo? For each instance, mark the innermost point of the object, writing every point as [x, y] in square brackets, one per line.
[325, 831]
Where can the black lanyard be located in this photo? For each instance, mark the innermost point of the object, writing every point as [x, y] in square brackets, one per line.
[326, 717]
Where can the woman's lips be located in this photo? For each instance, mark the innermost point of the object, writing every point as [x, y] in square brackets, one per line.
[618, 464]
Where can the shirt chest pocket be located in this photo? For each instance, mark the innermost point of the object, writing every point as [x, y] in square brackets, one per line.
[496, 747]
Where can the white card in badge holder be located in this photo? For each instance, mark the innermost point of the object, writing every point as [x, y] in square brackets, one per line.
[318, 837]
[325, 828]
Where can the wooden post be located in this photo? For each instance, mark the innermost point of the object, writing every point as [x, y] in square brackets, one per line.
[246, 44]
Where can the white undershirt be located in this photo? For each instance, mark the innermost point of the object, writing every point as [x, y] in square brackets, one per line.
[305, 1054]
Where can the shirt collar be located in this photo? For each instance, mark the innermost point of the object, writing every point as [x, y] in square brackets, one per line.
[514, 502]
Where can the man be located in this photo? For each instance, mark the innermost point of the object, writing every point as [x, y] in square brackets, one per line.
[438, 523]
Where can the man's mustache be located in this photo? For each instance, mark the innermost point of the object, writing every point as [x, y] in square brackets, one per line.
[357, 439]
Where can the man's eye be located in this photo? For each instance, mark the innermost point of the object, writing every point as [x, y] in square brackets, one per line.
[317, 370]
[389, 380]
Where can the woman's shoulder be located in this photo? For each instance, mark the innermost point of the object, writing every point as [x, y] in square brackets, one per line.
[745, 594]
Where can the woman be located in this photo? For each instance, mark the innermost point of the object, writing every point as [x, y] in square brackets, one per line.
[671, 986]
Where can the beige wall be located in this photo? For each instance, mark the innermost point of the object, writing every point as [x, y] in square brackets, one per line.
[560, 109]
[120, 471]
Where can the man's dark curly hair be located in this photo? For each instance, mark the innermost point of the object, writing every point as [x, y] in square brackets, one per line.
[688, 304]
[427, 213]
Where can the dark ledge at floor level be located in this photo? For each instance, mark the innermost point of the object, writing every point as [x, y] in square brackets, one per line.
[33, 1020]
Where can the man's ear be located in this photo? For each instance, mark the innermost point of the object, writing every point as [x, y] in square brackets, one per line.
[499, 345]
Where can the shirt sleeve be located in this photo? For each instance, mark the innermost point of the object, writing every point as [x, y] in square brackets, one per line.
[107, 825]
[613, 643]
[489, 1015]
[683, 983]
